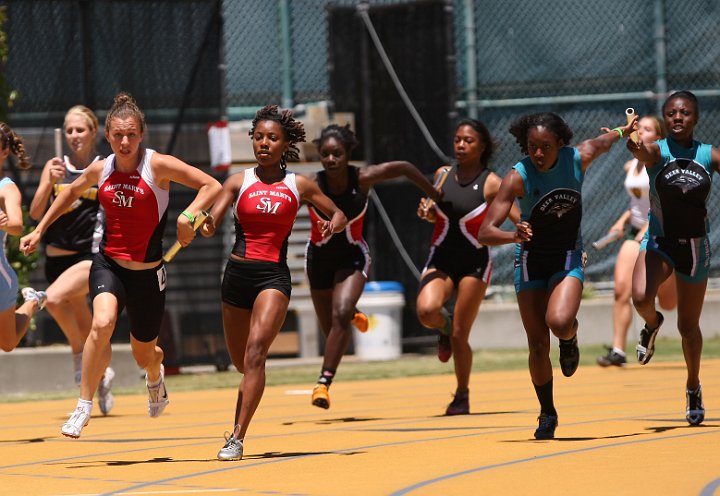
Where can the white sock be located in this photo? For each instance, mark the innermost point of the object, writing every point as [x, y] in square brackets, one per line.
[619, 351]
[156, 383]
[84, 405]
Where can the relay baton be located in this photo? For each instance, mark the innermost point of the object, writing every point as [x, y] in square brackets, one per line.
[58, 143]
[174, 249]
[630, 114]
[439, 184]
[606, 240]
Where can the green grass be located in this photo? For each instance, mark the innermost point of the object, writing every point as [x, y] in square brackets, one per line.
[407, 366]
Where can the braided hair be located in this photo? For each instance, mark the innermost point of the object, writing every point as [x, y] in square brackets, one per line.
[8, 138]
[341, 133]
[293, 130]
[124, 107]
[548, 120]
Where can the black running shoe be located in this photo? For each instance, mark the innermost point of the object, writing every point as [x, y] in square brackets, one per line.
[613, 358]
[460, 405]
[546, 426]
[646, 344]
[569, 356]
[694, 409]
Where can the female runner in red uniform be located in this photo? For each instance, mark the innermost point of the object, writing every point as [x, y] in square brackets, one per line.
[128, 272]
[256, 286]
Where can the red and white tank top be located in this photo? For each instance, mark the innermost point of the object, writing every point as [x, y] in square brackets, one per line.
[135, 212]
[264, 216]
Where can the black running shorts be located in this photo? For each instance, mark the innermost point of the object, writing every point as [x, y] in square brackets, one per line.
[141, 292]
[244, 280]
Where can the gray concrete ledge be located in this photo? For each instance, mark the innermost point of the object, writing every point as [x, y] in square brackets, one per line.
[498, 325]
[50, 368]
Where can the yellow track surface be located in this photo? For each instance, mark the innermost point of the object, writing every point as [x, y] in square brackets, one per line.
[621, 432]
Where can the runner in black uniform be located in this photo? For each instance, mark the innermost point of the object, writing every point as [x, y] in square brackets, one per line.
[680, 171]
[458, 262]
[338, 266]
[72, 241]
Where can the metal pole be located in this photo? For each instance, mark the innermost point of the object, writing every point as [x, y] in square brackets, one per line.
[470, 58]
[287, 90]
[87, 45]
[560, 99]
[365, 76]
[660, 54]
[222, 68]
[450, 58]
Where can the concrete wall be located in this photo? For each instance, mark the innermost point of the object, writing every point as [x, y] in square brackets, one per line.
[498, 325]
[50, 369]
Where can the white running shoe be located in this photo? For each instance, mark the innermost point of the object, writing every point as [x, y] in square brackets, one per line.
[30, 294]
[105, 396]
[157, 395]
[74, 426]
[233, 449]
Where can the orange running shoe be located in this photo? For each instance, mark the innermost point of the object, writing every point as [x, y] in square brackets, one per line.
[360, 321]
[321, 396]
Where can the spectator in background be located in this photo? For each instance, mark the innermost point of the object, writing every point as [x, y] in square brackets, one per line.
[458, 263]
[72, 241]
[680, 171]
[637, 185]
[256, 286]
[128, 272]
[14, 323]
[549, 257]
[338, 266]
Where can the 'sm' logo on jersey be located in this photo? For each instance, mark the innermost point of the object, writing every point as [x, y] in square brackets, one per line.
[266, 206]
[123, 201]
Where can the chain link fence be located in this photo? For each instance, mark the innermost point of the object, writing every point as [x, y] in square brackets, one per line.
[586, 61]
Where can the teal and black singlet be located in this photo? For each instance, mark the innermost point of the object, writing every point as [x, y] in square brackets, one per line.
[552, 205]
[679, 189]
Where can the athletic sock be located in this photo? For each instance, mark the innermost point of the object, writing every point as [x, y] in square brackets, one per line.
[619, 351]
[326, 377]
[84, 405]
[545, 397]
[156, 383]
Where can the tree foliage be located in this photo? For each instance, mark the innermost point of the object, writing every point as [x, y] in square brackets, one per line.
[7, 95]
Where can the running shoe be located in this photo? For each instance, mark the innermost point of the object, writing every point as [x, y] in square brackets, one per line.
[321, 396]
[233, 449]
[646, 344]
[546, 426]
[360, 321]
[569, 356]
[444, 348]
[30, 294]
[105, 396]
[460, 404]
[694, 409]
[157, 395]
[74, 426]
[613, 358]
